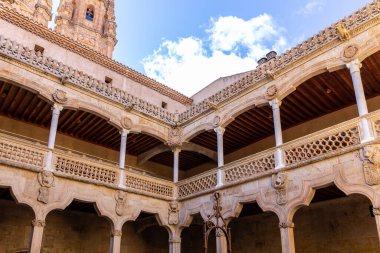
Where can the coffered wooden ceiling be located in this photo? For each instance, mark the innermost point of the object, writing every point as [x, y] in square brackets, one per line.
[315, 97]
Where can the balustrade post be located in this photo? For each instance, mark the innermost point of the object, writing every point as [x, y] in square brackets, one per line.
[123, 148]
[361, 102]
[56, 110]
[287, 237]
[116, 241]
[176, 151]
[219, 134]
[279, 154]
[37, 235]
[175, 245]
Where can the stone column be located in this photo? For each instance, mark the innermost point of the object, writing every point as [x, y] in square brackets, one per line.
[219, 134]
[123, 147]
[361, 102]
[176, 152]
[175, 245]
[287, 237]
[279, 154]
[221, 243]
[376, 212]
[56, 110]
[116, 241]
[37, 236]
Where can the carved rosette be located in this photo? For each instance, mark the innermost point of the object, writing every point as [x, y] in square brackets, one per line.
[175, 139]
[351, 52]
[271, 92]
[280, 183]
[370, 156]
[46, 180]
[173, 213]
[60, 96]
[126, 123]
[121, 202]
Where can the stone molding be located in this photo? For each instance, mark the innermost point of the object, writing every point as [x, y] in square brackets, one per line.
[38, 223]
[118, 233]
[285, 225]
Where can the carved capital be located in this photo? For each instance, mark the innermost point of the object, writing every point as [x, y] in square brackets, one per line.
[38, 223]
[219, 130]
[60, 96]
[280, 183]
[175, 137]
[117, 233]
[275, 103]
[354, 66]
[285, 225]
[370, 156]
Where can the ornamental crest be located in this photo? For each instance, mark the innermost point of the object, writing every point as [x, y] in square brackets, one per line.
[175, 137]
[121, 202]
[46, 180]
[60, 96]
[370, 157]
[350, 52]
[271, 92]
[173, 213]
[280, 183]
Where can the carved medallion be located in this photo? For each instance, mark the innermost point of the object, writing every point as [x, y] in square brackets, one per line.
[271, 92]
[175, 137]
[173, 213]
[121, 202]
[279, 183]
[216, 121]
[351, 52]
[126, 123]
[60, 96]
[46, 180]
[370, 157]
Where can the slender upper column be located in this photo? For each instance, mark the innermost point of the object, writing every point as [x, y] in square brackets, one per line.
[221, 243]
[37, 235]
[287, 237]
[116, 241]
[279, 156]
[219, 135]
[175, 245]
[361, 102]
[176, 152]
[56, 110]
[123, 147]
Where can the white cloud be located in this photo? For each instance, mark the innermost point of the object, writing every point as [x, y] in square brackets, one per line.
[233, 45]
[310, 8]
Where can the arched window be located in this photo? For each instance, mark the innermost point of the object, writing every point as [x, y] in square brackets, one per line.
[90, 13]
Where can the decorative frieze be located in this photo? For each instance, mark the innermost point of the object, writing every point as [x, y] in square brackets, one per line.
[46, 180]
[280, 183]
[370, 156]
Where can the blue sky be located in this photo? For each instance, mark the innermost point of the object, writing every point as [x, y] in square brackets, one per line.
[188, 44]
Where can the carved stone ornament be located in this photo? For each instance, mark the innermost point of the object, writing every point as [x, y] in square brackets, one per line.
[350, 52]
[126, 123]
[46, 180]
[286, 225]
[376, 211]
[38, 223]
[173, 213]
[343, 32]
[121, 202]
[175, 137]
[271, 92]
[216, 121]
[60, 96]
[117, 233]
[279, 183]
[370, 157]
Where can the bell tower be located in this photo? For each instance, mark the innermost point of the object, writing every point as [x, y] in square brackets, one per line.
[37, 10]
[89, 22]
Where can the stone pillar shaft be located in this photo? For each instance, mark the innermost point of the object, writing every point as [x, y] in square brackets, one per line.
[56, 110]
[361, 102]
[287, 237]
[279, 154]
[176, 152]
[123, 148]
[116, 241]
[37, 236]
[221, 244]
[219, 135]
[174, 246]
[376, 212]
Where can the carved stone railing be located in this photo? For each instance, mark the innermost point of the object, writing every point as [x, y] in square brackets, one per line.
[68, 74]
[84, 169]
[268, 69]
[376, 124]
[198, 184]
[327, 142]
[249, 167]
[21, 153]
[149, 185]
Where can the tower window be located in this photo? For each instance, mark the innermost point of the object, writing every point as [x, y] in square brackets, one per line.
[90, 14]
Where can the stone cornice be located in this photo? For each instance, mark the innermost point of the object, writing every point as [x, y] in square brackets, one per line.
[27, 24]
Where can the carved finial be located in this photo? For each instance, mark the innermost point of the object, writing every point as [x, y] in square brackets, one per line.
[343, 32]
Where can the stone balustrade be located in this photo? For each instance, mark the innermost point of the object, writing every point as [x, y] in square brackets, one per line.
[198, 184]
